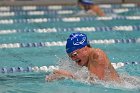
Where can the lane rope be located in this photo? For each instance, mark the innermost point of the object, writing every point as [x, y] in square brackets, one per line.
[62, 43]
[60, 7]
[51, 68]
[67, 19]
[83, 29]
[60, 12]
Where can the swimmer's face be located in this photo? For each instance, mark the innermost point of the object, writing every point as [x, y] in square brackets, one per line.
[84, 6]
[80, 56]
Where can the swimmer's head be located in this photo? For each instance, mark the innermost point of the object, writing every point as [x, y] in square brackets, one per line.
[76, 41]
[86, 2]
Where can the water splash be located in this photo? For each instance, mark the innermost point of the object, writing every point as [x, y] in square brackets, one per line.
[82, 74]
[131, 82]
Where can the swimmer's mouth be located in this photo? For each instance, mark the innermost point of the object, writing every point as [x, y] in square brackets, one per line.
[78, 61]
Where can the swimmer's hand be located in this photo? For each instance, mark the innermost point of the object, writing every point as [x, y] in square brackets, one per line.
[59, 74]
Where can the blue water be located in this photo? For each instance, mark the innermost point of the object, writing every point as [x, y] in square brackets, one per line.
[34, 82]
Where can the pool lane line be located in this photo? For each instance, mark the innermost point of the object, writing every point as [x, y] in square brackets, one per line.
[66, 19]
[61, 7]
[62, 43]
[83, 29]
[6, 70]
[60, 12]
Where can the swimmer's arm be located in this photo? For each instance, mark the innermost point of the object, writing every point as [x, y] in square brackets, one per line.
[59, 74]
[98, 10]
[64, 73]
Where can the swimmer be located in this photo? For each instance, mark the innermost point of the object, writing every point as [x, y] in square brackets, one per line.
[95, 59]
[90, 7]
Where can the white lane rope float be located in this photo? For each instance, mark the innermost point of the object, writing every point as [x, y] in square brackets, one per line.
[51, 68]
[83, 29]
[62, 43]
[60, 12]
[67, 19]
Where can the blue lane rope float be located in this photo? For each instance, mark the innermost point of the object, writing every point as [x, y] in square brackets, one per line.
[83, 29]
[67, 19]
[51, 68]
[62, 43]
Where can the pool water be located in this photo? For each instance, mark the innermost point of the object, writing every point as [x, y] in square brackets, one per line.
[37, 36]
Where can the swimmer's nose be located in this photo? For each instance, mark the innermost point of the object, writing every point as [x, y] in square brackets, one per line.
[73, 58]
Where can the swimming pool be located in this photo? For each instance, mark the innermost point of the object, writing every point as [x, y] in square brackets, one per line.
[35, 36]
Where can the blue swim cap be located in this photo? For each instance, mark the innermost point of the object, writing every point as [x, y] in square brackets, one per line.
[76, 41]
[89, 2]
